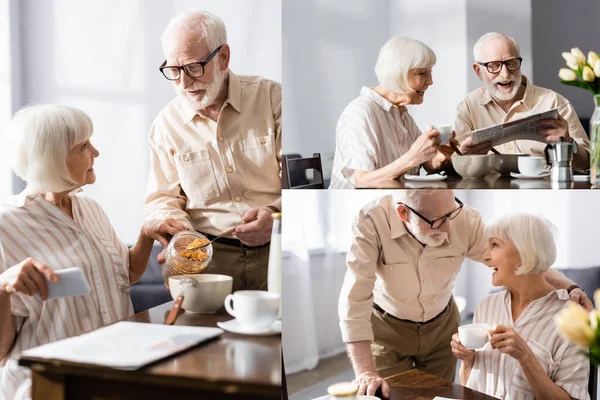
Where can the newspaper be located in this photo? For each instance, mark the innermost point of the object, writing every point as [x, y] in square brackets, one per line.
[125, 345]
[522, 129]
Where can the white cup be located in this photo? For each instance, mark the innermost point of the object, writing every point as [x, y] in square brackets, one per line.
[473, 336]
[254, 309]
[532, 166]
[445, 133]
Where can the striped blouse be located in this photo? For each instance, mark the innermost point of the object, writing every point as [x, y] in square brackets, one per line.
[500, 375]
[31, 226]
[371, 133]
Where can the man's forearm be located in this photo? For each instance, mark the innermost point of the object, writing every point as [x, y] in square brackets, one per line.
[361, 356]
[7, 329]
[557, 279]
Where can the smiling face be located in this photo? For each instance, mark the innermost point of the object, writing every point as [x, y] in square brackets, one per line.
[198, 93]
[80, 163]
[504, 259]
[432, 207]
[504, 85]
[419, 80]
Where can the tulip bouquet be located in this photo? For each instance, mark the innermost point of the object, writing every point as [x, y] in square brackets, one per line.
[583, 328]
[582, 72]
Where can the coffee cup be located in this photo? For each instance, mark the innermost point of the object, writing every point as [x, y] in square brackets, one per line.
[253, 309]
[532, 166]
[445, 133]
[473, 336]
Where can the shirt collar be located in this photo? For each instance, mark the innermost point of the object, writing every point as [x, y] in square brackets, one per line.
[527, 99]
[234, 99]
[397, 227]
[19, 200]
[378, 99]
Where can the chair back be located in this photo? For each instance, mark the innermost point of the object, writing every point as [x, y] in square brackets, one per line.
[294, 172]
[593, 382]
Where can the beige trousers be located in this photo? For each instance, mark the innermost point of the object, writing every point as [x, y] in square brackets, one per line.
[400, 346]
[247, 267]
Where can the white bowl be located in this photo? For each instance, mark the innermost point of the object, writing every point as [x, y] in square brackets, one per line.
[205, 293]
[472, 165]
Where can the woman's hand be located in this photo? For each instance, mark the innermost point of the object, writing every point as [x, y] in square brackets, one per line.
[507, 341]
[461, 352]
[27, 277]
[425, 147]
[159, 229]
[443, 155]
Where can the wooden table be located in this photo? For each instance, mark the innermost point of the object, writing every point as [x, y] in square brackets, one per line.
[418, 385]
[491, 181]
[232, 367]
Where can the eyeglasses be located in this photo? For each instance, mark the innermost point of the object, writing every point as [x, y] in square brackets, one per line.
[193, 70]
[442, 220]
[494, 67]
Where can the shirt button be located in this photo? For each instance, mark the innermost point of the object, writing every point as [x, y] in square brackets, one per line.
[391, 268]
[453, 258]
[186, 158]
[263, 140]
[424, 281]
[229, 169]
[423, 298]
[425, 316]
[510, 146]
[238, 198]
[221, 138]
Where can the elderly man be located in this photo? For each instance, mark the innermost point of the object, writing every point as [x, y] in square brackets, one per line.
[216, 149]
[508, 96]
[396, 307]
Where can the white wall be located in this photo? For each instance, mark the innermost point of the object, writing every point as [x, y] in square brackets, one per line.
[5, 89]
[558, 26]
[103, 57]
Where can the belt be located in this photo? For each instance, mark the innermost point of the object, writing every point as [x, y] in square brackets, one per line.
[381, 310]
[232, 242]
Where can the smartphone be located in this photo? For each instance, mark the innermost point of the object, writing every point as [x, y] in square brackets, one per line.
[71, 282]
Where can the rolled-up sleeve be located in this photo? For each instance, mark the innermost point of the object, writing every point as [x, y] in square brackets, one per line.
[164, 196]
[356, 297]
[354, 139]
[573, 372]
[478, 243]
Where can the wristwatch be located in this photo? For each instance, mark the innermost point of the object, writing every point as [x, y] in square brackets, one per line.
[573, 287]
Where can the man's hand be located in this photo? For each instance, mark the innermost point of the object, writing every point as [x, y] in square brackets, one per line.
[467, 147]
[162, 256]
[258, 232]
[158, 229]
[507, 341]
[552, 130]
[368, 382]
[578, 296]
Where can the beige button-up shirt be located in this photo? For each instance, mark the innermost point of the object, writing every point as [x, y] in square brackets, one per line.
[207, 174]
[386, 264]
[479, 110]
[371, 133]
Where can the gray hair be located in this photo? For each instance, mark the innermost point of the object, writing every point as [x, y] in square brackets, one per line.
[532, 236]
[412, 197]
[491, 35]
[397, 57]
[200, 25]
[40, 138]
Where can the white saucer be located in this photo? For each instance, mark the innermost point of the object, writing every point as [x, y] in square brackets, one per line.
[581, 178]
[235, 327]
[523, 176]
[425, 178]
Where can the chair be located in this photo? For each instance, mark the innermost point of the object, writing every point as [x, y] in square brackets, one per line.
[294, 172]
[593, 382]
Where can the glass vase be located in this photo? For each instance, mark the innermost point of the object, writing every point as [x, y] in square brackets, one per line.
[595, 144]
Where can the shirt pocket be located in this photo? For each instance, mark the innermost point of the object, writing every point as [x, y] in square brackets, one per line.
[398, 281]
[445, 270]
[197, 177]
[259, 159]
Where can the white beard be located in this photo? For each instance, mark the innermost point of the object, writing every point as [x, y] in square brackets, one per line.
[427, 239]
[504, 96]
[212, 91]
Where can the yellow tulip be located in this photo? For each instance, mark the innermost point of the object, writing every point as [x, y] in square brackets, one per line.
[579, 56]
[588, 74]
[597, 73]
[597, 299]
[567, 75]
[573, 323]
[592, 58]
[570, 59]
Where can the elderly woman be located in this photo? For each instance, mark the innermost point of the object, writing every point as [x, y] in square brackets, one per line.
[376, 138]
[49, 227]
[526, 357]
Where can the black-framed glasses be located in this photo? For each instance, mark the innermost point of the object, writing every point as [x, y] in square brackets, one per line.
[193, 70]
[494, 67]
[441, 220]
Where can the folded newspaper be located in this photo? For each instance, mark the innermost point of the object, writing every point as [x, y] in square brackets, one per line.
[522, 129]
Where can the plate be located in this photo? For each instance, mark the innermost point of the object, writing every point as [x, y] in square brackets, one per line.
[523, 176]
[425, 178]
[581, 178]
[235, 327]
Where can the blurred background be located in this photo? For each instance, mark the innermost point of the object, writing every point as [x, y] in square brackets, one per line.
[314, 266]
[103, 57]
[330, 53]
